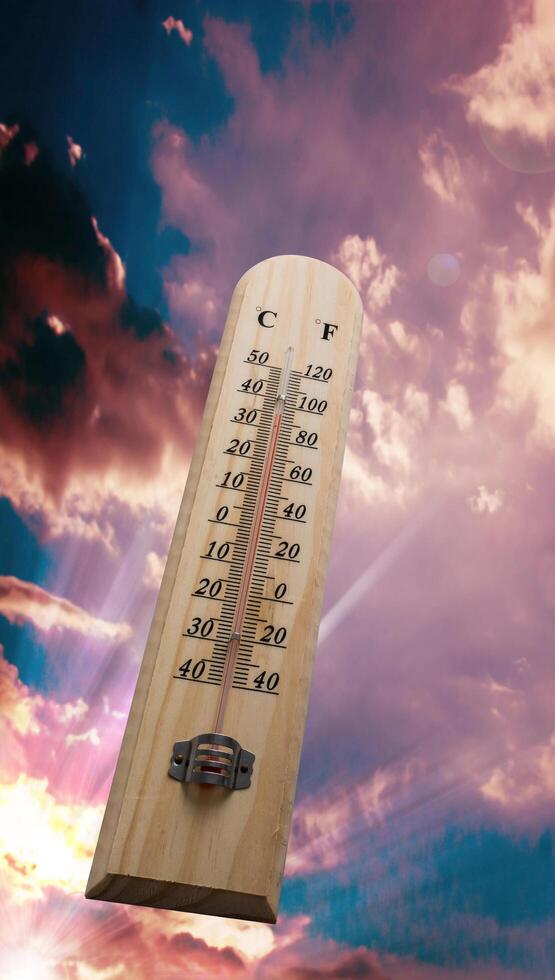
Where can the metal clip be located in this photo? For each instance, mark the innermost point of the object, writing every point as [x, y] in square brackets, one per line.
[212, 758]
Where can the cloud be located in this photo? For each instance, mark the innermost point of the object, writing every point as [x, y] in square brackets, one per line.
[323, 827]
[347, 603]
[425, 665]
[390, 411]
[171, 24]
[380, 462]
[254, 940]
[190, 297]
[526, 780]
[441, 170]
[406, 341]
[29, 713]
[517, 296]
[516, 92]
[44, 843]
[84, 371]
[74, 151]
[510, 99]
[31, 152]
[370, 487]
[57, 325]
[485, 501]
[7, 133]
[18, 704]
[340, 963]
[22, 602]
[457, 405]
[106, 943]
[208, 186]
[374, 275]
[65, 934]
[91, 736]
[154, 569]
[312, 956]
[203, 955]
[69, 744]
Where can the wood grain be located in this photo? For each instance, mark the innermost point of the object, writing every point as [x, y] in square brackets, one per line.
[203, 848]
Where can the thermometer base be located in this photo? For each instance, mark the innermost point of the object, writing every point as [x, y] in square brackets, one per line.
[212, 758]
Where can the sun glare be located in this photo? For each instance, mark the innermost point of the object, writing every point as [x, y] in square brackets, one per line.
[26, 964]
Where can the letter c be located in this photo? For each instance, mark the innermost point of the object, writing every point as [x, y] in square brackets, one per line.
[264, 314]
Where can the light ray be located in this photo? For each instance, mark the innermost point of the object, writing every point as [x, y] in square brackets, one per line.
[376, 570]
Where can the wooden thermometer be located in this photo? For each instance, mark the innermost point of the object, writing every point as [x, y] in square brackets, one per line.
[223, 689]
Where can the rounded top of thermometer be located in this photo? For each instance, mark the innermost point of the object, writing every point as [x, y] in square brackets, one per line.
[300, 265]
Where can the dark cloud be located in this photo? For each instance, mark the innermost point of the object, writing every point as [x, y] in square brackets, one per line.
[44, 373]
[84, 370]
[43, 212]
[140, 319]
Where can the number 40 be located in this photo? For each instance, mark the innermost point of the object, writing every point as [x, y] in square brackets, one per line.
[269, 682]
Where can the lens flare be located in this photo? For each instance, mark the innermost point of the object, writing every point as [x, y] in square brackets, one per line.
[444, 269]
[515, 151]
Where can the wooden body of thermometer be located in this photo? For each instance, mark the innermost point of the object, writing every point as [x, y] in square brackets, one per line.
[222, 694]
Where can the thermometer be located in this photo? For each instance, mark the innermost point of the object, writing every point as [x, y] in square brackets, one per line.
[199, 810]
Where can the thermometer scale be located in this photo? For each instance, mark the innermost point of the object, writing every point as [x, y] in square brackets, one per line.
[199, 810]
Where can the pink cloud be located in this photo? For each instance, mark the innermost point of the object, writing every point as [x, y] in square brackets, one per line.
[171, 24]
[441, 170]
[22, 602]
[485, 501]
[522, 300]
[525, 780]
[372, 272]
[514, 94]
[31, 152]
[325, 824]
[69, 746]
[74, 151]
[7, 134]
[19, 706]
[154, 569]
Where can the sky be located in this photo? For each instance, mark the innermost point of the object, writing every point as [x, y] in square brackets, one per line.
[149, 154]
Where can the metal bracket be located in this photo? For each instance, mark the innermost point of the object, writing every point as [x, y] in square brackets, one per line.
[212, 758]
